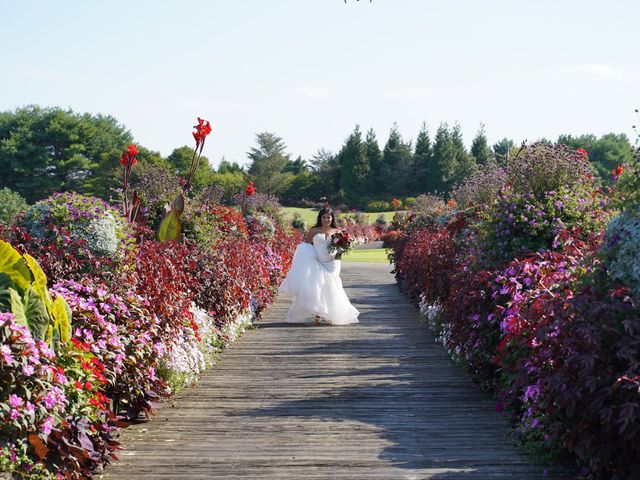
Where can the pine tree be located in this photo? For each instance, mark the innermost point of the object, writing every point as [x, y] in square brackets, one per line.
[443, 161]
[422, 165]
[464, 163]
[268, 161]
[396, 159]
[501, 150]
[374, 157]
[354, 168]
[480, 148]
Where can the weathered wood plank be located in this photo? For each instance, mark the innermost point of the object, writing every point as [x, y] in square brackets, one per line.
[376, 400]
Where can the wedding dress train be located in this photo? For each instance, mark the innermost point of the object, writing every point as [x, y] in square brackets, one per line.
[314, 279]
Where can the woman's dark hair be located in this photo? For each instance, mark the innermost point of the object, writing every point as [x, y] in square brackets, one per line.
[330, 212]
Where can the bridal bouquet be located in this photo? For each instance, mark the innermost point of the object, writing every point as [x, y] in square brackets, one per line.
[340, 244]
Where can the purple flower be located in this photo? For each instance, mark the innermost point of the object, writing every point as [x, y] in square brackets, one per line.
[28, 370]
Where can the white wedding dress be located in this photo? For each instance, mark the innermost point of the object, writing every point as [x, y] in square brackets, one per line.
[314, 279]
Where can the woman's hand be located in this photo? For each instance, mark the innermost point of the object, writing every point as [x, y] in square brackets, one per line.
[308, 238]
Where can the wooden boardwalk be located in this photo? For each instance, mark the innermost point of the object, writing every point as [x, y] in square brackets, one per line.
[376, 400]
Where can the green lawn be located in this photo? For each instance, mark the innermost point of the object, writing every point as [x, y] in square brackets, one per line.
[372, 255]
[310, 215]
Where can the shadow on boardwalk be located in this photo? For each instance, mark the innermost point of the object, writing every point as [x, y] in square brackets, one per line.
[379, 399]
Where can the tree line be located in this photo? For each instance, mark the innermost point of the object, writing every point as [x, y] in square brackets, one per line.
[43, 150]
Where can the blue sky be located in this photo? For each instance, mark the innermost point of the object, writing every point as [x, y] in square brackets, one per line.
[309, 70]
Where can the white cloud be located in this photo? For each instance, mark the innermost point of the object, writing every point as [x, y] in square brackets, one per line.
[312, 92]
[595, 71]
[413, 93]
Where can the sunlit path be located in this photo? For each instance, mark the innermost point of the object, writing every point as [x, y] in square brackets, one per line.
[375, 400]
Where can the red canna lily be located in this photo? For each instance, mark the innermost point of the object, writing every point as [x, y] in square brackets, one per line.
[203, 128]
[250, 190]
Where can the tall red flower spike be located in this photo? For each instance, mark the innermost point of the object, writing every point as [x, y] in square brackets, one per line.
[203, 128]
[250, 190]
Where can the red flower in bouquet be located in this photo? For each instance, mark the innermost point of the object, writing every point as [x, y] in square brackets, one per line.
[340, 244]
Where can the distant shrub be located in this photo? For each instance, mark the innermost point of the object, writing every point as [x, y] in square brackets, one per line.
[378, 206]
[298, 223]
[11, 203]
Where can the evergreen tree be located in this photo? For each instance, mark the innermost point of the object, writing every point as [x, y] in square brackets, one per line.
[422, 165]
[326, 169]
[268, 161]
[229, 167]
[396, 160]
[296, 166]
[354, 168]
[374, 157]
[480, 149]
[180, 163]
[502, 149]
[463, 163]
[443, 161]
[606, 153]
[43, 150]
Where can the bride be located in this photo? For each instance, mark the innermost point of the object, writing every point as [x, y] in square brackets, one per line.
[314, 279]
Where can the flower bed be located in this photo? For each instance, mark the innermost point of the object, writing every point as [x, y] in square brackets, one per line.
[147, 318]
[534, 292]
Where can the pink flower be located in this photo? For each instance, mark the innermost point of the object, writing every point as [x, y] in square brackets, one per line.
[5, 350]
[14, 414]
[30, 408]
[15, 401]
[47, 426]
[28, 370]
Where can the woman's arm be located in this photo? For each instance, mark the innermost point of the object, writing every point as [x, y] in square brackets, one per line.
[308, 238]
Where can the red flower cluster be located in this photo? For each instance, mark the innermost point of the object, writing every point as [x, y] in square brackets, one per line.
[250, 190]
[128, 158]
[582, 152]
[395, 202]
[202, 130]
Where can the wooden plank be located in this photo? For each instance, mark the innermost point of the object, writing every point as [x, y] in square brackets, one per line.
[375, 400]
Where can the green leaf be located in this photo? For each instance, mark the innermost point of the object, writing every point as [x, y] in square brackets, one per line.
[18, 308]
[170, 227]
[62, 315]
[36, 314]
[12, 263]
[40, 281]
[5, 299]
